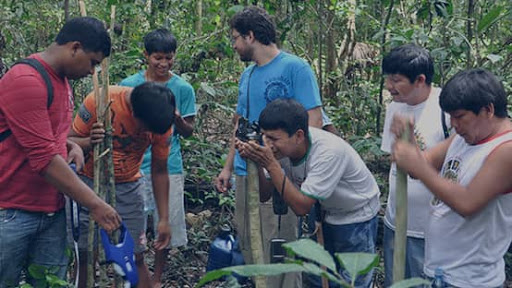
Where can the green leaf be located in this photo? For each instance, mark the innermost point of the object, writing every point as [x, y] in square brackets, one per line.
[212, 276]
[316, 270]
[208, 89]
[494, 58]
[357, 263]
[311, 250]
[489, 18]
[412, 282]
[37, 271]
[265, 269]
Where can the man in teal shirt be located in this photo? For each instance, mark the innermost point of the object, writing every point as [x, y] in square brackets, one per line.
[160, 50]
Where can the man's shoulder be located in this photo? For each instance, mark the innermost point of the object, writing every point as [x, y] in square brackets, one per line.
[292, 59]
[180, 83]
[133, 80]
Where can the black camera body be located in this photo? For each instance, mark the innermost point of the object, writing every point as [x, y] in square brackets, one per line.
[248, 130]
[277, 251]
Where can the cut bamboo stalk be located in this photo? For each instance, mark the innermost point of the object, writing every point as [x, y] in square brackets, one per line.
[401, 221]
[253, 197]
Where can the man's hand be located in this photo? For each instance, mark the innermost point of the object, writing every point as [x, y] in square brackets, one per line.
[222, 182]
[75, 155]
[105, 216]
[254, 151]
[97, 133]
[164, 235]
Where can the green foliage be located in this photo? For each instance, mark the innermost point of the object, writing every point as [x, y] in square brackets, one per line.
[45, 277]
[315, 256]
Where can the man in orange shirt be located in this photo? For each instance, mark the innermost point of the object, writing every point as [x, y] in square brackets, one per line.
[141, 117]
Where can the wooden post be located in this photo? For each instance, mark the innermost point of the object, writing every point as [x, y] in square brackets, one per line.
[253, 196]
[401, 221]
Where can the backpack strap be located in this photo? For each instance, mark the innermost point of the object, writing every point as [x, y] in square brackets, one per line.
[34, 63]
[445, 128]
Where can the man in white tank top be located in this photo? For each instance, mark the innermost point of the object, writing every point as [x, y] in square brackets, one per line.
[470, 223]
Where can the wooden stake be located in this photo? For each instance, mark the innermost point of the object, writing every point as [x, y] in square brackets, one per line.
[401, 221]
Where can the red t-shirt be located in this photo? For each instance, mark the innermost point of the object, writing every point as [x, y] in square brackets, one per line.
[38, 134]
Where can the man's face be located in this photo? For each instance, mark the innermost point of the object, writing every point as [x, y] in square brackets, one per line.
[280, 143]
[160, 63]
[82, 63]
[470, 126]
[239, 43]
[400, 88]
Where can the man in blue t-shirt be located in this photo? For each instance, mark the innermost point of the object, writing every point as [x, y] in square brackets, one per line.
[274, 74]
[160, 50]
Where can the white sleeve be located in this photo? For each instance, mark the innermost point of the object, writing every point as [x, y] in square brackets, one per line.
[387, 137]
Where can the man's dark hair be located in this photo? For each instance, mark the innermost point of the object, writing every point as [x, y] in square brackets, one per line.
[285, 114]
[89, 31]
[160, 40]
[472, 90]
[154, 105]
[257, 20]
[411, 61]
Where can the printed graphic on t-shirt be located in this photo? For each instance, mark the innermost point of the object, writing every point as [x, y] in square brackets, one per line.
[277, 88]
[450, 171]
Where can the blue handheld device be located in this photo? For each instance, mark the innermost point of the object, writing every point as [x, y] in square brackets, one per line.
[121, 255]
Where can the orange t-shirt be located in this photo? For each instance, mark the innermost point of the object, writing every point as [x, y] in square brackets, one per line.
[129, 140]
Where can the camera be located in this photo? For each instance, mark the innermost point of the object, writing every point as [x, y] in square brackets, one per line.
[248, 130]
[277, 251]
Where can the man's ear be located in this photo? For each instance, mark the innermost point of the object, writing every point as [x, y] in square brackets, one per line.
[301, 136]
[489, 109]
[74, 46]
[421, 79]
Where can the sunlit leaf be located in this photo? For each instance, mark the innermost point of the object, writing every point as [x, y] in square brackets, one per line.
[357, 263]
[309, 249]
[412, 282]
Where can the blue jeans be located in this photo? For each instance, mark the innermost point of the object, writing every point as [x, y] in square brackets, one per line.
[414, 256]
[357, 237]
[31, 238]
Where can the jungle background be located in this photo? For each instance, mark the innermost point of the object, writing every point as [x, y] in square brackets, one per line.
[342, 40]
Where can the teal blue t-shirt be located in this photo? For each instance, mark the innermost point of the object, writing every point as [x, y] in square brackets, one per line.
[185, 103]
[285, 76]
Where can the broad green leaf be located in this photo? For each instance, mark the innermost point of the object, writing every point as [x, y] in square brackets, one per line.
[265, 269]
[208, 89]
[311, 250]
[494, 58]
[412, 282]
[212, 276]
[316, 270]
[357, 263]
[489, 18]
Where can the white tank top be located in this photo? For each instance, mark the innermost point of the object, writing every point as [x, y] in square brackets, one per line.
[469, 249]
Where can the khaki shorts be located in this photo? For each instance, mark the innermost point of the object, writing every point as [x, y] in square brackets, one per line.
[129, 205]
[176, 208]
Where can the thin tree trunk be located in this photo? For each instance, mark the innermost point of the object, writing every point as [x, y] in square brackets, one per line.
[469, 30]
[383, 50]
[199, 22]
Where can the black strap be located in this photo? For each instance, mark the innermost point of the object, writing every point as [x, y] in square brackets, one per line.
[445, 128]
[34, 63]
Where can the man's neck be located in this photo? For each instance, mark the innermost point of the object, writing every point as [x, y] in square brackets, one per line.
[52, 56]
[152, 77]
[302, 153]
[265, 53]
[422, 96]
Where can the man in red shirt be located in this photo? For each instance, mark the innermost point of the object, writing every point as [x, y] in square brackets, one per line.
[34, 158]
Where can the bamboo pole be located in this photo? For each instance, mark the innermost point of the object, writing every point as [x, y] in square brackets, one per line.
[256, 243]
[401, 221]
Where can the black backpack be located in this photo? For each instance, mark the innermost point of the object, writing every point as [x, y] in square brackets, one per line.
[34, 63]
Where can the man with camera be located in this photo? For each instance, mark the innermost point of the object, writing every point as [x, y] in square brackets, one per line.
[306, 165]
[274, 74]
